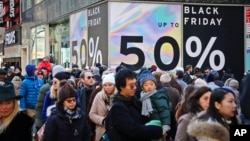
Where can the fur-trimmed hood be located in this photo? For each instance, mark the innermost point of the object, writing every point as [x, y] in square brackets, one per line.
[208, 131]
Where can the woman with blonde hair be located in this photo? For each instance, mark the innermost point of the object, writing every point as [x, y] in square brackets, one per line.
[14, 124]
[101, 104]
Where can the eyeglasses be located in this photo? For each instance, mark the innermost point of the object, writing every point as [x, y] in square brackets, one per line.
[90, 77]
[70, 100]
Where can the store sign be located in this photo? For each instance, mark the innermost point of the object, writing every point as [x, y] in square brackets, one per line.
[12, 37]
[9, 13]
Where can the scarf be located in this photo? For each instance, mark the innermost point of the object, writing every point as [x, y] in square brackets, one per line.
[72, 114]
[146, 102]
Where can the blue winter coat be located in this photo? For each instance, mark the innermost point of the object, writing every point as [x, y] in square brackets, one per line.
[29, 90]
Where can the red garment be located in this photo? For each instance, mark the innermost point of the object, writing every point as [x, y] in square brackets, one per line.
[45, 64]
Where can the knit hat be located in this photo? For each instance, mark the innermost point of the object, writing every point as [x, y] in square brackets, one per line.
[165, 78]
[109, 78]
[30, 69]
[3, 72]
[232, 83]
[62, 75]
[200, 82]
[96, 71]
[210, 77]
[56, 69]
[74, 66]
[153, 68]
[146, 75]
[65, 91]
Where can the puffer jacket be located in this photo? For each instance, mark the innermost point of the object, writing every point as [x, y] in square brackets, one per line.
[29, 89]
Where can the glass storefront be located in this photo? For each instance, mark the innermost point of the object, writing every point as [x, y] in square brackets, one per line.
[37, 51]
[59, 41]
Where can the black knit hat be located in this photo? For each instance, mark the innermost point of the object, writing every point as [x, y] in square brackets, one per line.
[7, 92]
[62, 75]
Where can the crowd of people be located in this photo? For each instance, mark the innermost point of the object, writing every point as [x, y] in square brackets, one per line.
[53, 103]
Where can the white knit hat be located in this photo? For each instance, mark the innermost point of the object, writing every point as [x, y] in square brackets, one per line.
[108, 78]
[56, 69]
[200, 82]
[165, 78]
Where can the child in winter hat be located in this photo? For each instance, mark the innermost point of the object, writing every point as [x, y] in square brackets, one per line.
[153, 100]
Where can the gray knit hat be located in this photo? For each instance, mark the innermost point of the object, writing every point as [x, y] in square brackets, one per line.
[56, 69]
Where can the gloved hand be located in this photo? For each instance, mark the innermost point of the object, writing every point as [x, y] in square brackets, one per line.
[165, 129]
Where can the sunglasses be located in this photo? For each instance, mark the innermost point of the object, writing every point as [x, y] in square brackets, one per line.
[70, 100]
[89, 77]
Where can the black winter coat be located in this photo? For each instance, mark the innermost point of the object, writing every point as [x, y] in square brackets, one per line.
[59, 128]
[19, 129]
[129, 123]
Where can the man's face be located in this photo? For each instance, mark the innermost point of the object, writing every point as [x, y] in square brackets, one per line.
[130, 88]
[88, 79]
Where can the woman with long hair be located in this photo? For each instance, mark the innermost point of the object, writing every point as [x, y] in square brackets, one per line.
[221, 113]
[197, 101]
[15, 125]
[101, 105]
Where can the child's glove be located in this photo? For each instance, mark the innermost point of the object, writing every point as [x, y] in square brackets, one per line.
[165, 129]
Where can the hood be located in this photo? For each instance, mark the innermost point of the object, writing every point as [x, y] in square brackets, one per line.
[208, 131]
[30, 69]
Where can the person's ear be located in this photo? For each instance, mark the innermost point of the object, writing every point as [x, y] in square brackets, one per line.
[217, 105]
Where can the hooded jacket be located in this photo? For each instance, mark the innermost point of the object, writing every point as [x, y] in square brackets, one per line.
[207, 130]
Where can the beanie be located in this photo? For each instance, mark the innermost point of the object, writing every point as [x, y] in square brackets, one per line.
[74, 66]
[200, 83]
[62, 75]
[210, 77]
[109, 78]
[232, 83]
[153, 68]
[56, 69]
[146, 75]
[65, 91]
[165, 78]
[96, 71]
[30, 69]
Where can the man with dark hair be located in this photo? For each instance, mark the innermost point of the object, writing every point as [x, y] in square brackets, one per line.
[125, 114]
[187, 76]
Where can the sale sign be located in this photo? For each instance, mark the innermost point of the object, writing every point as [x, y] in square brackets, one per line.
[78, 38]
[213, 36]
[98, 35]
[143, 34]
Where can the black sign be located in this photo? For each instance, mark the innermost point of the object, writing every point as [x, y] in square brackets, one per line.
[12, 37]
[214, 37]
[98, 35]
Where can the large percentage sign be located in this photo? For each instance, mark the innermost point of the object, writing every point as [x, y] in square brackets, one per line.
[204, 55]
[94, 52]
